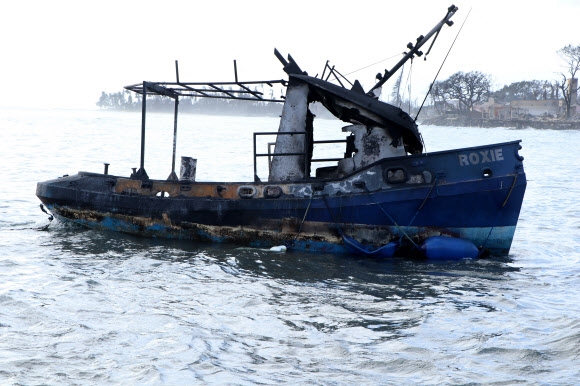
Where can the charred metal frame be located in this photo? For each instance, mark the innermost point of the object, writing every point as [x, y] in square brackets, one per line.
[337, 75]
[175, 90]
[207, 89]
[220, 90]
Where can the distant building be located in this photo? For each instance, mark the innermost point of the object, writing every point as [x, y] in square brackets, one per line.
[519, 109]
[537, 108]
[529, 108]
[493, 110]
[447, 107]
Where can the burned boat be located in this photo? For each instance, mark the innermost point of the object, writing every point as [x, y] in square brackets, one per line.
[383, 192]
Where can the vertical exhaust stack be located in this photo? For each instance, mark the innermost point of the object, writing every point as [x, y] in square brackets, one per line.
[188, 169]
[293, 120]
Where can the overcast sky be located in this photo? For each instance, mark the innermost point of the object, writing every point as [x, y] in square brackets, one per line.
[64, 53]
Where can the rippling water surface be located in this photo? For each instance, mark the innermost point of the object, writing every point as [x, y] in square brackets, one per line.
[85, 307]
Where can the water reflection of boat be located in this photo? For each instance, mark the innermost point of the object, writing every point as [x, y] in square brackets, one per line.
[383, 189]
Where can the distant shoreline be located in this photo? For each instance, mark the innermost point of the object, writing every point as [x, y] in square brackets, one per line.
[515, 123]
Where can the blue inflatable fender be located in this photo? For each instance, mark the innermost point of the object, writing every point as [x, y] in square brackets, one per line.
[441, 247]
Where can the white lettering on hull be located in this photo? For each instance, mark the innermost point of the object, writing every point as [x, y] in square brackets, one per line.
[481, 157]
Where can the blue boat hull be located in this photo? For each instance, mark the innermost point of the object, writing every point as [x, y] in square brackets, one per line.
[444, 193]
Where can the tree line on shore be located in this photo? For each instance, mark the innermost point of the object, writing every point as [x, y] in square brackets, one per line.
[124, 101]
[471, 88]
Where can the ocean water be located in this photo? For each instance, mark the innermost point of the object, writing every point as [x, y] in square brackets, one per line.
[84, 307]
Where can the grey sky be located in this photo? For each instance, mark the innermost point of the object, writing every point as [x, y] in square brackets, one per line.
[64, 53]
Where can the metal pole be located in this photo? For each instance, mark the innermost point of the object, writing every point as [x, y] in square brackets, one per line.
[255, 165]
[236, 70]
[143, 114]
[306, 174]
[173, 176]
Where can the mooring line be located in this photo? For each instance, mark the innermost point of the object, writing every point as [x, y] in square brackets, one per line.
[331, 215]
[510, 192]
[39, 228]
[424, 201]
[390, 218]
[302, 222]
[50, 218]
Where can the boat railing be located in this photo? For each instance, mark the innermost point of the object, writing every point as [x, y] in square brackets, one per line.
[272, 145]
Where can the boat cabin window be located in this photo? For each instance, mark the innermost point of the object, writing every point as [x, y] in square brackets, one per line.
[396, 176]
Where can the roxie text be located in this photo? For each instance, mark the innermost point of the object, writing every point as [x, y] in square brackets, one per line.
[481, 157]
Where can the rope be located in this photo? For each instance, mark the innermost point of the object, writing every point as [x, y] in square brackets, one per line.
[370, 65]
[331, 216]
[398, 97]
[510, 192]
[37, 228]
[391, 219]
[424, 201]
[50, 218]
[302, 222]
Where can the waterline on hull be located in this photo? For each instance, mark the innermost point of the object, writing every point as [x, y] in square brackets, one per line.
[315, 237]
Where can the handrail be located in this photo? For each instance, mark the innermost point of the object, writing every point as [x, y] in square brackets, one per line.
[306, 161]
[256, 178]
